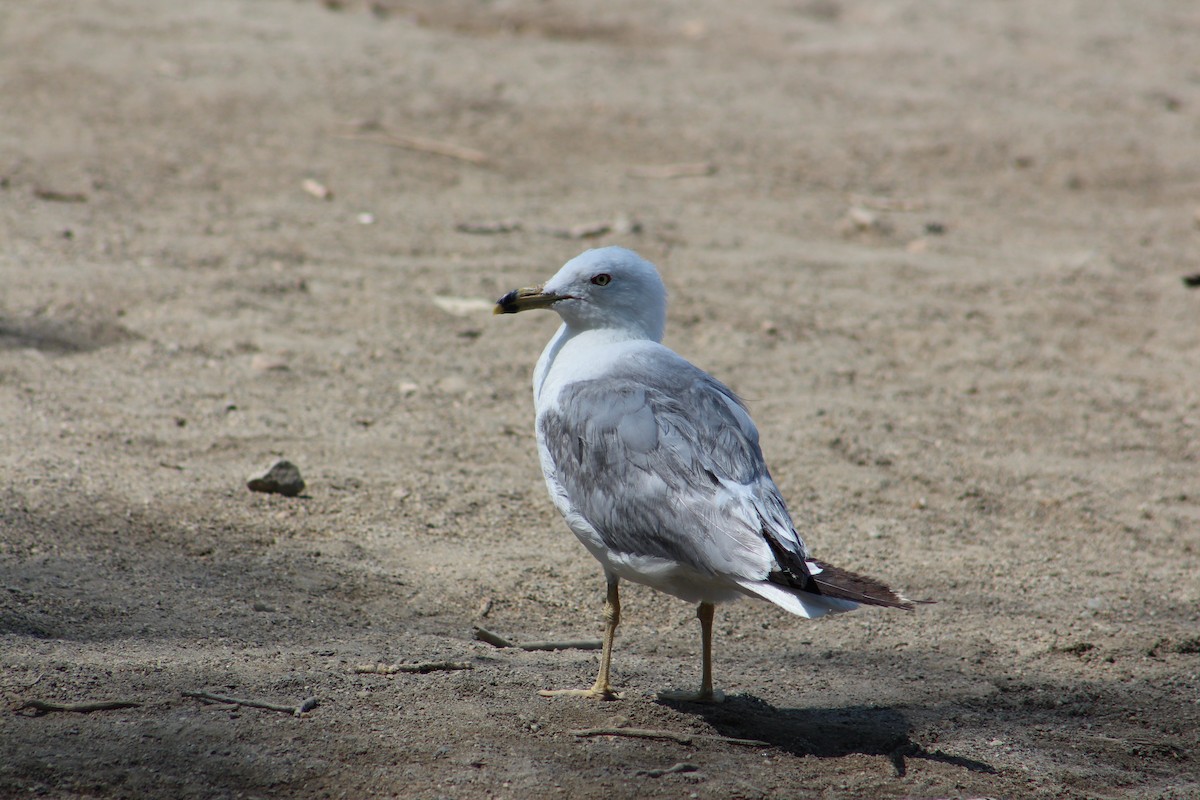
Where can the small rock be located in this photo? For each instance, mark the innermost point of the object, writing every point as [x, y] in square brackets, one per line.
[454, 385]
[317, 189]
[862, 220]
[282, 478]
[626, 225]
[266, 362]
[463, 306]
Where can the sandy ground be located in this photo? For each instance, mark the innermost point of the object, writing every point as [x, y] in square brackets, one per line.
[938, 247]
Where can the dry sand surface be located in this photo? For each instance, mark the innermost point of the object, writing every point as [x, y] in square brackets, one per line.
[937, 246]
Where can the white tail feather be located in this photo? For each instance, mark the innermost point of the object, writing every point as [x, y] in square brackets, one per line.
[802, 604]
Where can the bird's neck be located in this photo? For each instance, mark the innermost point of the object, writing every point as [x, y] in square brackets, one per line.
[571, 349]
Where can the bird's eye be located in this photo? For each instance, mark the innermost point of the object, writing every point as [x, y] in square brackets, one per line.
[603, 279]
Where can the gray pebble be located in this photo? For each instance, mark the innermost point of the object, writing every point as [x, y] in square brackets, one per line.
[282, 478]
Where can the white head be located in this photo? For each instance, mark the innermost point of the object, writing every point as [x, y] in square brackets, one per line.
[607, 288]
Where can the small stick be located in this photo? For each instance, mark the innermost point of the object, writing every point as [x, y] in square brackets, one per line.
[682, 766]
[667, 171]
[55, 196]
[45, 707]
[496, 640]
[423, 667]
[681, 738]
[584, 230]
[496, 226]
[887, 203]
[568, 644]
[421, 144]
[306, 706]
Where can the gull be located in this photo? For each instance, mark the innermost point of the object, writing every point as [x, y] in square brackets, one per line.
[656, 467]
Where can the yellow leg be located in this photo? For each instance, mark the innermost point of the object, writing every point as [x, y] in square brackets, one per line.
[706, 694]
[602, 689]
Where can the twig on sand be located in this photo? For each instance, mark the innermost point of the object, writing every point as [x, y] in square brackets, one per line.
[568, 644]
[887, 203]
[496, 640]
[490, 227]
[681, 738]
[304, 707]
[682, 766]
[667, 171]
[40, 707]
[423, 667]
[55, 196]
[583, 230]
[420, 144]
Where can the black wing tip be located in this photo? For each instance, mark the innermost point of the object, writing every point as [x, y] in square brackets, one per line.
[837, 582]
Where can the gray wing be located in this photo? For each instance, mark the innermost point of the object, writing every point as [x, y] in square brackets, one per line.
[663, 460]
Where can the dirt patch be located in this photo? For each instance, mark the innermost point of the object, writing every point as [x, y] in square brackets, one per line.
[937, 247]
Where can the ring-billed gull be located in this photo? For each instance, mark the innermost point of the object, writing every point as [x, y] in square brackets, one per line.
[656, 466]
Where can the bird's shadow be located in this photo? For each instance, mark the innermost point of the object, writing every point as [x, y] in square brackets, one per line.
[823, 732]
